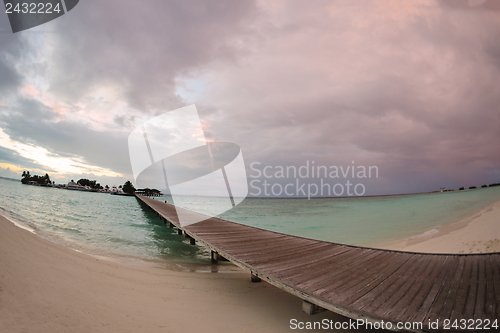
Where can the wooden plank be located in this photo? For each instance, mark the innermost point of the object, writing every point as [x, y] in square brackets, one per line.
[311, 280]
[367, 284]
[214, 222]
[489, 305]
[362, 284]
[320, 282]
[297, 269]
[340, 277]
[226, 231]
[401, 283]
[356, 281]
[442, 308]
[428, 283]
[383, 285]
[406, 298]
[281, 259]
[245, 243]
[336, 286]
[250, 248]
[495, 265]
[292, 263]
[212, 225]
[236, 242]
[268, 242]
[439, 288]
[269, 251]
[481, 291]
[471, 296]
[325, 267]
[458, 295]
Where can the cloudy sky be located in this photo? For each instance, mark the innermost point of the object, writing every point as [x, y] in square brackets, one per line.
[411, 87]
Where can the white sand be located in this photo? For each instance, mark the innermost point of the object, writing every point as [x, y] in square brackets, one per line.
[46, 287]
[479, 233]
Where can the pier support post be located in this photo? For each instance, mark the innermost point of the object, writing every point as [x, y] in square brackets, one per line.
[179, 231]
[170, 224]
[255, 278]
[214, 256]
[192, 241]
[311, 309]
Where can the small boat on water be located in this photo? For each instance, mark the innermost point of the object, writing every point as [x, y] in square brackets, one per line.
[116, 191]
[77, 187]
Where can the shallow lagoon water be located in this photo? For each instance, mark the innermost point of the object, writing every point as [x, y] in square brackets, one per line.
[119, 226]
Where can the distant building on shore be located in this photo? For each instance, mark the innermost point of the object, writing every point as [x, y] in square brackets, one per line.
[77, 187]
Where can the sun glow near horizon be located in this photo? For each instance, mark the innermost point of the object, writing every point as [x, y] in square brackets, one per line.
[49, 162]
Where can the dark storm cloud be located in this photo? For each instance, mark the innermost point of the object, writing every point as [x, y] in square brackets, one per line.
[415, 92]
[409, 86]
[141, 47]
[10, 78]
[10, 50]
[136, 48]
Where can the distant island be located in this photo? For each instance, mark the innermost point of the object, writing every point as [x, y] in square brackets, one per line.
[82, 184]
[35, 179]
[463, 188]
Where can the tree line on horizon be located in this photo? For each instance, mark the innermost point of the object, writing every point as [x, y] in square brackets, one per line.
[483, 186]
[26, 177]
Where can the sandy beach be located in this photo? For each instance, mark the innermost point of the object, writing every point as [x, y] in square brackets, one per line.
[479, 233]
[46, 287]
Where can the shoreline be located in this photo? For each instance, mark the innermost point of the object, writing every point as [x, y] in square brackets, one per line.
[477, 233]
[46, 286]
[177, 266]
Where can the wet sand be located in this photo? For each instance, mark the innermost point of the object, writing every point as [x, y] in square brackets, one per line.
[479, 233]
[47, 287]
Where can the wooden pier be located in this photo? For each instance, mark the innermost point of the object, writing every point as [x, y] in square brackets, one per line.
[360, 283]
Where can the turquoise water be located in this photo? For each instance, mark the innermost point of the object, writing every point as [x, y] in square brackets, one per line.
[115, 225]
[98, 223]
[368, 221]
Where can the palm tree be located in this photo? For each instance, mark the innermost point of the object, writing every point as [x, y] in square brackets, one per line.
[128, 187]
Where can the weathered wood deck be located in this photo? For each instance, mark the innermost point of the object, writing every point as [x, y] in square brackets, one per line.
[357, 282]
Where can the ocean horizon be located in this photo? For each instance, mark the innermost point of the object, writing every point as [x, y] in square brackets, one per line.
[118, 226]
